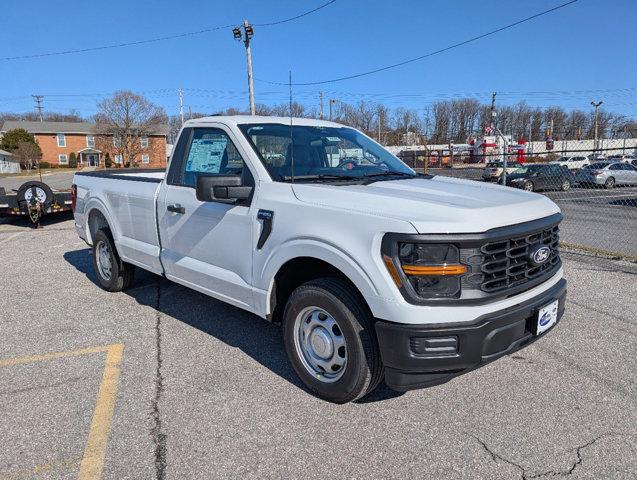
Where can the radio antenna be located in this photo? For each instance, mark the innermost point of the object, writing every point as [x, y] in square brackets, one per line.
[291, 138]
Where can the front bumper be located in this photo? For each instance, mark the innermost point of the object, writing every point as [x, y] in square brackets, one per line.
[404, 347]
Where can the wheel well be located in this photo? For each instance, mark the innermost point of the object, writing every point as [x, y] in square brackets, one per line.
[296, 272]
[96, 221]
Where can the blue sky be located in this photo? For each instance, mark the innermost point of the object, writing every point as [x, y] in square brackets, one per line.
[561, 58]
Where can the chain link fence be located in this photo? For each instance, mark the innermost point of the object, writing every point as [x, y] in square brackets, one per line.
[594, 184]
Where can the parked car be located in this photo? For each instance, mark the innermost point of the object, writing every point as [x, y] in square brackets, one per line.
[541, 177]
[373, 271]
[597, 157]
[608, 174]
[493, 170]
[572, 162]
[622, 158]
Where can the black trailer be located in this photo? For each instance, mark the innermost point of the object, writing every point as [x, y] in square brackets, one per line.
[34, 199]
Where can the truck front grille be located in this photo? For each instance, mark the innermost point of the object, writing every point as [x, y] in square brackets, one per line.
[506, 263]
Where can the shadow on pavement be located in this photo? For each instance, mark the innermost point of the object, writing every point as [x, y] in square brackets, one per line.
[624, 202]
[237, 328]
[47, 221]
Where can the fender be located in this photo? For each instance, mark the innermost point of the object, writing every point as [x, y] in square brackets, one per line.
[95, 203]
[312, 248]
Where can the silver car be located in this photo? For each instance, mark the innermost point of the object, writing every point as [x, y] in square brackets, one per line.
[608, 174]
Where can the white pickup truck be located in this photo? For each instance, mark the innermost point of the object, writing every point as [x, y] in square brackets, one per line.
[375, 272]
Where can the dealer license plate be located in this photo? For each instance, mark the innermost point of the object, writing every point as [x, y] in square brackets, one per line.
[547, 317]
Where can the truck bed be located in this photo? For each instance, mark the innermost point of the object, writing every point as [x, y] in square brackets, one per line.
[134, 174]
[127, 199]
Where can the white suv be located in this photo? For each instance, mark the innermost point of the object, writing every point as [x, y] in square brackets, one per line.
[573, 162]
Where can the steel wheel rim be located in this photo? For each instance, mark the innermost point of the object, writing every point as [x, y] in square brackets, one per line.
[103, 259]
[320, 344]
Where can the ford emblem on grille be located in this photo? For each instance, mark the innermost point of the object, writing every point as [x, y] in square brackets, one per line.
[539, 254]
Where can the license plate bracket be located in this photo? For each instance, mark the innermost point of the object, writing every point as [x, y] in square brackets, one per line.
[546, 317]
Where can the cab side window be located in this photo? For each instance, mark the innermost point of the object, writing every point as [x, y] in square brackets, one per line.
[211, 152]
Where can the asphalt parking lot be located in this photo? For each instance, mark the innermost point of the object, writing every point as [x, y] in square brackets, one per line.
[163, 382]
[594, 218]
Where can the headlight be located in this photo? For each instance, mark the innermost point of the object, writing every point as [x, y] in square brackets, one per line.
[425, 270]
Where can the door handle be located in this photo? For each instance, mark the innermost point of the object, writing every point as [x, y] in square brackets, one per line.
[176, 208]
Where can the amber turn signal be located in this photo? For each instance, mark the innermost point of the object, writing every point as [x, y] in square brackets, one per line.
[434, 270]
[392, 271]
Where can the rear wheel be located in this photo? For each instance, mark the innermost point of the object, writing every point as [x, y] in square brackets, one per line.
[609, 183]
[566, 185]
[330, 340]
[528, 186]
[113, 274]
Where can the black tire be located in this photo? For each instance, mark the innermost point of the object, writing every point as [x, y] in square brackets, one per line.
[35, 184]
[364, 370]
[566, 185]
[609, 183]
[121, 273]
[528, 186]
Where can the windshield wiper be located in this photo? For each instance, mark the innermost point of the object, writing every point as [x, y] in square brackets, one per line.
[388, 174]
[374, 177]
[321, 177]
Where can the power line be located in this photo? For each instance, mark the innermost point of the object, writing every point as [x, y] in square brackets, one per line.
[430, 54]
[295, 17]
[157, 39]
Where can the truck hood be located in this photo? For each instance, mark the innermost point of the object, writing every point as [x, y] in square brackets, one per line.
[436, 205]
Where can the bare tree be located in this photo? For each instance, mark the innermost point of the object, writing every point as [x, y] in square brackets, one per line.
[123, 120]
[29, 154]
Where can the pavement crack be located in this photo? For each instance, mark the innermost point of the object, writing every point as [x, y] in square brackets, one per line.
[524, 475]
[159, 438]
[497, 457]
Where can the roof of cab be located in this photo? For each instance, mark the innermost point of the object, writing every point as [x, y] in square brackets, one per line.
[254, 119]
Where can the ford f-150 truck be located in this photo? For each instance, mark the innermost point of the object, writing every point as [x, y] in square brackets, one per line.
[376, 273]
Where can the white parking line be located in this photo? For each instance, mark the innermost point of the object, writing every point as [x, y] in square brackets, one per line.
[593, 197]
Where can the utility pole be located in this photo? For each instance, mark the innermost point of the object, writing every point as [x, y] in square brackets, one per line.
[596, 105]
[181, 105]
[189, 112]
[493, 113]
[379, 125]
[38, 105]
[530, 134]
[332, 101]
[248, 31]
[321, 96]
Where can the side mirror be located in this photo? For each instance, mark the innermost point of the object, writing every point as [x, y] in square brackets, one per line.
[221, 187]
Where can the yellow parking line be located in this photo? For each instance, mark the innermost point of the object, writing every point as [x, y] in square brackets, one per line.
[10, 237]
[52, 356]
[95, 450]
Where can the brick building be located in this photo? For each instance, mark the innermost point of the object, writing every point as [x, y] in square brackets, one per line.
[58, 140]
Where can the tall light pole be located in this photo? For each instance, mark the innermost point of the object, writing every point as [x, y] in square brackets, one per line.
[246, 35]
[596, 105]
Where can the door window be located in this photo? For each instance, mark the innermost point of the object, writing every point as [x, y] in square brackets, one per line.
[211, 152]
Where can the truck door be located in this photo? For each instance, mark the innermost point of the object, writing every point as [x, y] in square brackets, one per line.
[206, 246]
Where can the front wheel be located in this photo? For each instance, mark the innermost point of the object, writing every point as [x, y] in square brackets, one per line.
[566, 185]
[528, 186]
[112, 273]
[330, 340]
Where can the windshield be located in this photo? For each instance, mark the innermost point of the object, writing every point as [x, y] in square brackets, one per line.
[315, 152]
[528, 169]
[594, 166]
